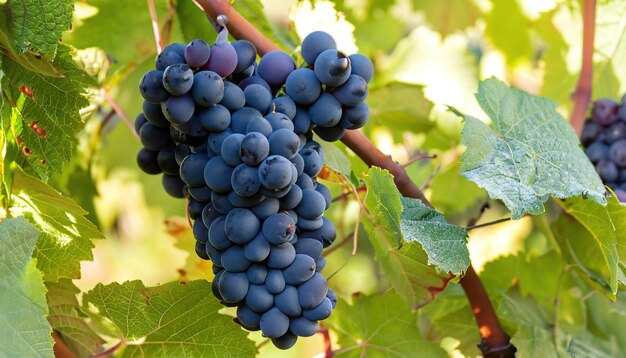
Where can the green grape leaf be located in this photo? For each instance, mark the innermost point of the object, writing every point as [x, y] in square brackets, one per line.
[531, 153]
[379, 326]
[445, 20]
[252, 10]
[335, 158]
[405, 263]
[36, 26]
[174, 319]
[48, 110]
[194, 23]
[400, 106]
[454, 194]
[445, 244]
[66, 320]
[507, 28]
[590, 234]
[25, 331]
[66, 234]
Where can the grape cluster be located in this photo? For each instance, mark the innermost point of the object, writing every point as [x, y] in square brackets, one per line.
[604, 138]
[234, 137]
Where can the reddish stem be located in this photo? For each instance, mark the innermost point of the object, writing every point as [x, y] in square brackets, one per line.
[120, 112]
[155, 26]
[328, 351]
[493, 338]
[582, 95]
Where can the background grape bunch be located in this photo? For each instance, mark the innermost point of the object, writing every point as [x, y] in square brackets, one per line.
[604, 138]
[235, 138]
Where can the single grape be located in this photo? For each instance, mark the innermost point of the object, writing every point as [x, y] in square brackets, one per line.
[315, 43]
[322, 189]
[355, 117]
[275, 282]
[154, 138]
[254, 148]
[241, 226]
[303, 327]
[233, 259]
[284, 105]
[275, 172]
[139, 121]
[178, 110]
[298, 162]
[197, 53]
[332, 68]
[233, 98]
[303, 87]
[326, 111]
[169, 57]
[302, 121]
[278, 228]
[154, 115]
[258, 97]
[242, 117]
[200, 232]
[257, 250]
[615, 132]
[285, 341]
[312, 292]
[284, 142]
[208, 88]
[249, 319]
[233, 286]
[331, 134]
[607, 170]
[215, 118]
[279, 120]
[231, 146]
[174, 186]
[209, 214]
[332, 297]
[274, 67]
[301, 269]
[246, 55]
[217, 175]
[312, 161]
[305, 182]
[597, 151]
[259, 299]
[223, 60]
[178, 79]
[221, 203]
[257, 273]
[326, 234]
[309, 247]
[201, 252]
[192, 169]
[259, 125]
[281, 255]
[287, 301]
[166, 160]
[216, 139]
[217, 234]
[268, 207]
[312, 204]
[245, 180]
[274, 323]
[147, 161]
[352, 92]
[618, 153]
[151, 87]
[292, 199]
[320, 263]
[362, 66]
[605, 111]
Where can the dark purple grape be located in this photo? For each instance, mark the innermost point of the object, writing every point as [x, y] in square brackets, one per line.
[605, 111]
[352, 92]
[208, 88]
[607, 170]
[178, 79]
[178, 110]
[223, 60]
[332, 68]
[315, 43]
[618, 153]
[615, 132]
[246, 55]
[275, 66]
[151, 87]
[254, 80]
[303, 87]
[362, 66]
[597, 151]
[355, 117]
[197, 53]
[174, 186]
[233, 98]
[330, 134]
[148, 162]
[326, 111]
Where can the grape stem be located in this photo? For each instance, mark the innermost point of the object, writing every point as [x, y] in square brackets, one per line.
[120, 112]
[155, 26]
[494, 341]
[582, 95]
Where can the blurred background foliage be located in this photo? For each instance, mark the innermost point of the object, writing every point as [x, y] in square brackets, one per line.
[428, 55]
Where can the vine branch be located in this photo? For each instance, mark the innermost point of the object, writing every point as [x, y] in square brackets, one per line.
[582, 95]
[493, 337]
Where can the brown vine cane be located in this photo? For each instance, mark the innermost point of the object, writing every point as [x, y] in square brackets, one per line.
[494, 341]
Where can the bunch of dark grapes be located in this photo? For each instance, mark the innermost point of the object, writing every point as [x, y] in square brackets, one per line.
[234, 138]
[604, 138]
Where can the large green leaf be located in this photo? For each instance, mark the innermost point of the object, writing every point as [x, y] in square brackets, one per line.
[454, 194]
[405, 263]
[66, 321]
[379, 326]
[66, 234]
[531, 153]
[445, 244]
[25, 331]
[590, 235]
[174, 319]
[400, 106]
[35, 25]
[49, 113]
